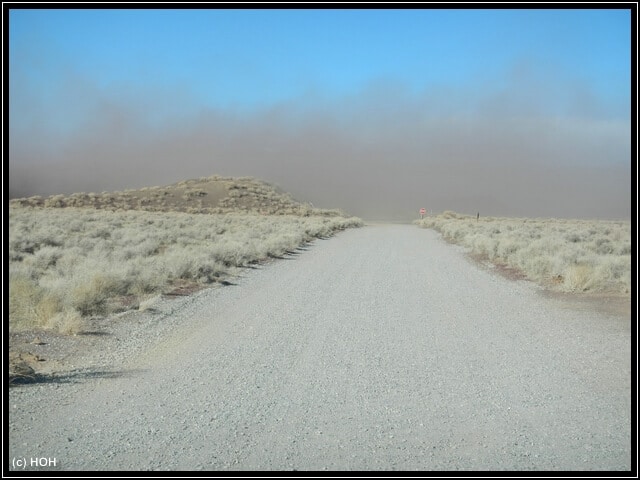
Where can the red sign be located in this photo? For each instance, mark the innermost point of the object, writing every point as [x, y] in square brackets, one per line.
[423, 211]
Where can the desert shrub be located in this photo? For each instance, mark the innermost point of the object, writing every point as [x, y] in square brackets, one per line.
[89, 293]
[45, 257]
[447, 214]
[67, 321]
[29, 304]
[73, 261]
[578, 277]
[508, 246]
[55, 201]
[587, 256]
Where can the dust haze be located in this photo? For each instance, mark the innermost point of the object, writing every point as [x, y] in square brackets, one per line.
[382, 153]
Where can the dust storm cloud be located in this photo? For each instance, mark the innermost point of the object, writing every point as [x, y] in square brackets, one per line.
[379, 154]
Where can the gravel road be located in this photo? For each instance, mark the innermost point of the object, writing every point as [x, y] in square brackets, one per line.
[383, 348]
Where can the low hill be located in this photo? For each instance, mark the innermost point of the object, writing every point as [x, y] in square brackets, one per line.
[213, 194]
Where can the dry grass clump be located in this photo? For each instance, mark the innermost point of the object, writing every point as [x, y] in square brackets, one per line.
[31, 306]
[567, 255]
[67, 264]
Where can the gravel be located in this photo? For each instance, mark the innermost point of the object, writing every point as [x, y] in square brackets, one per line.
[383, 348]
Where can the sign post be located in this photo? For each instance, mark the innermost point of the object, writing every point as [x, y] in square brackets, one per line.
[422, 212]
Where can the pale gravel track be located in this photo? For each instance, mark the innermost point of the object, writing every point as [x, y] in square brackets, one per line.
[383, 348]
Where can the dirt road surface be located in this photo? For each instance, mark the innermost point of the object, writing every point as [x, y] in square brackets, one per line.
[383, 348]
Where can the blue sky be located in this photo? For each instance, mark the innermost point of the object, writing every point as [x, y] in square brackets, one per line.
[164, 69]
[255, 58]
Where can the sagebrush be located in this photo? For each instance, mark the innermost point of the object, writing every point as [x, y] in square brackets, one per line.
[566, 255]
[66, 264]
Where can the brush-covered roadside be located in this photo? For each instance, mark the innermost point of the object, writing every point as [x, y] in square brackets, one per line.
[579, 256]
[68, 264]
[79, 258]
